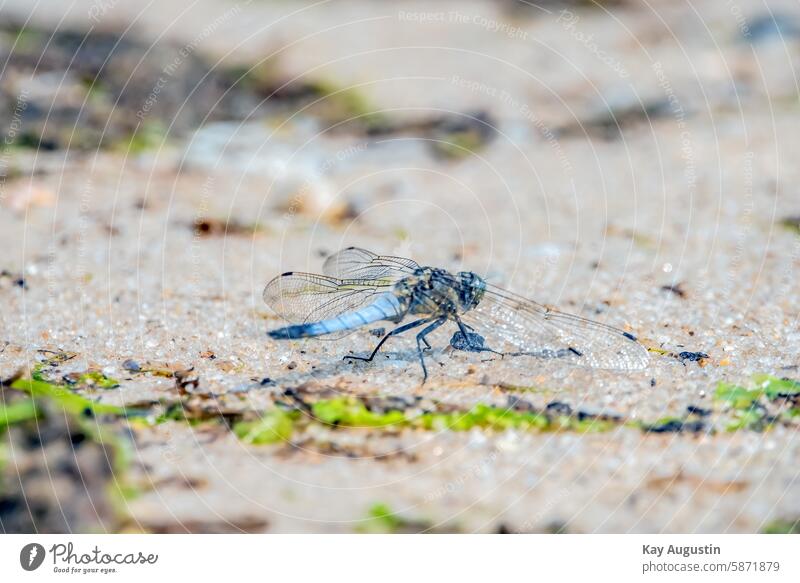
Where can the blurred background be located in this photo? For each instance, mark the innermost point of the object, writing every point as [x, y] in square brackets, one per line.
[632, 162]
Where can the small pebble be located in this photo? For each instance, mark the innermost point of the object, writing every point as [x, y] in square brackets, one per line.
[131, 365]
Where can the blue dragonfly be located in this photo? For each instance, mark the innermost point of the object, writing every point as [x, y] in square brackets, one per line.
[359, 288]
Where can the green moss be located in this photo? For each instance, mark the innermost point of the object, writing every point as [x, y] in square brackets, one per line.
[96, 90]
[745, 410]
[83, 412]
[782, 527]
[736, 396]
[17, 412]
[263, 78]
[92, 378]
[27, 39]
[753, 417]
[774, 387]
[149, 136]
[353, 413]
[178, 412]
[381, 519]
[460, 145]
[748, 412]
[37, 372]
[173, 412]
[347, 103]
[483, 416]
[67, 400]
[662, 425]
[791, 224]
[275, 426]
[97, 379]
[590, 425]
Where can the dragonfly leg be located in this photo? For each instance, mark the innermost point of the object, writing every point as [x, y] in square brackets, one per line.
[398, 330]
[421, 339]
[473, 340]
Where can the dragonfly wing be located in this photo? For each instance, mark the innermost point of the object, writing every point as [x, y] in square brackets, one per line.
[357, 263]
[512, 324]
[302, 298]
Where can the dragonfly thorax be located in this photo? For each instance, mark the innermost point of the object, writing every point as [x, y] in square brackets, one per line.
[437, 291]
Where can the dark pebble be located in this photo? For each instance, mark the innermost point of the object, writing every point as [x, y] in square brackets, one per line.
[693, 410]
[559, 408]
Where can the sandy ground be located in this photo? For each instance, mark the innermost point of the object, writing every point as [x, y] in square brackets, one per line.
[608, 155]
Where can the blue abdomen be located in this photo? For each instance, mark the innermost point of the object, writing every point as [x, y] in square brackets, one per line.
[385, 307]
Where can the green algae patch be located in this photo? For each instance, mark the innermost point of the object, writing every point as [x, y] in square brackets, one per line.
[346, 103]
[67, 400]
[89, 379]
[593, 425]
[460, 145]
[753, 417]
[353, 413]
[748, 410]
[766, 385]
[782, 527]
[147, 137]
[92, 379]
[775, 388]
[744, 407]
[174, 412]
[736, 396]
[18, 412]
[484, 417]
[275, 426]
[791, 414]
[47, 401]
[381, 519]
[39, 370]
[791, 224]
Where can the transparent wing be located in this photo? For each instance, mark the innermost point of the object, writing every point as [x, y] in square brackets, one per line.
[301, 298]
[356, 263]
[512, 324]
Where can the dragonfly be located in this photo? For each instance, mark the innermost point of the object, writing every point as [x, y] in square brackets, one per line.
[359, 288]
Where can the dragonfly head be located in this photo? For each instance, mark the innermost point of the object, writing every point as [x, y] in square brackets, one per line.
[471, 289]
